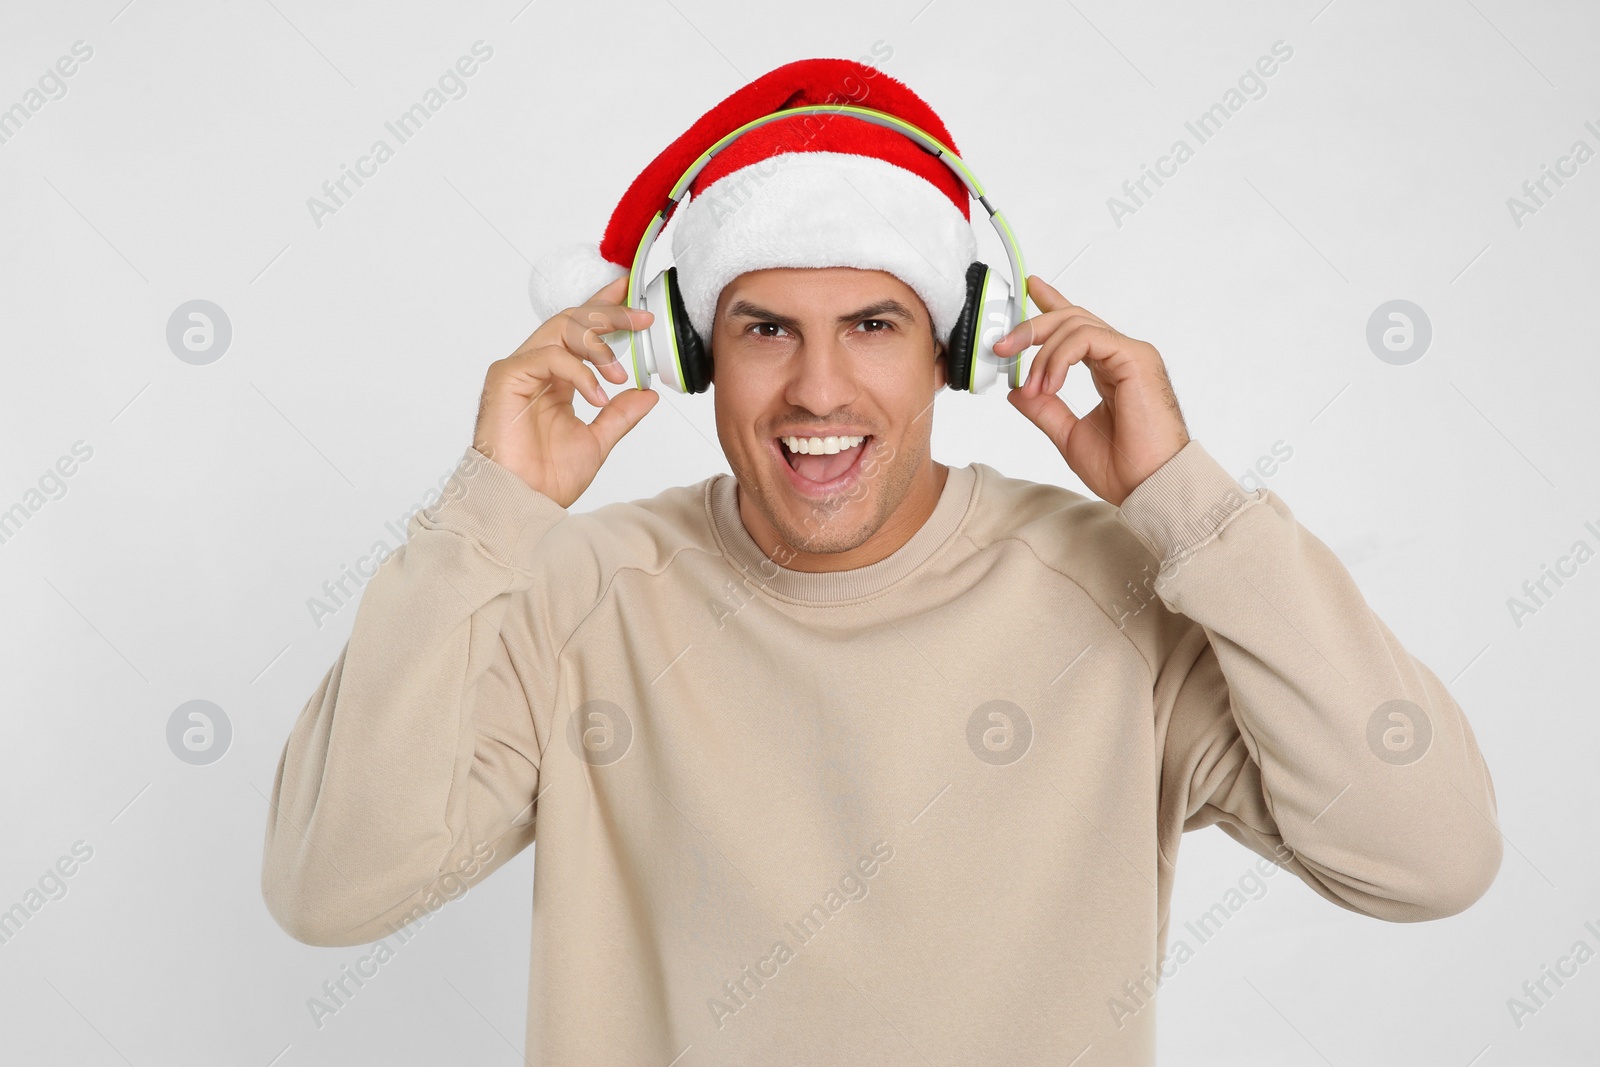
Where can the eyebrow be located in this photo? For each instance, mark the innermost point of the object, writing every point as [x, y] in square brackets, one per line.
[885, 308]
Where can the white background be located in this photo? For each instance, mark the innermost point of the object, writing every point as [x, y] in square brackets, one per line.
[219, 498]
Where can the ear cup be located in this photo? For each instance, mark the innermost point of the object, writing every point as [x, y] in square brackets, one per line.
[997, 313]
[962, 349]
[693, 355]
[674, 354]
[656, 361]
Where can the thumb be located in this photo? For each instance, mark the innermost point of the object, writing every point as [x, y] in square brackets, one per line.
[621, 414]
[1048, 412]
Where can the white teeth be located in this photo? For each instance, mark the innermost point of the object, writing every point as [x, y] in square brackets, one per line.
[814, 446]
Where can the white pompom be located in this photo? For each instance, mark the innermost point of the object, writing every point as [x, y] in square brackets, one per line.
[567, 276]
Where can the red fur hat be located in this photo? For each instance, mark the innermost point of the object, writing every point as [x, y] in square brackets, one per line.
[816, 190]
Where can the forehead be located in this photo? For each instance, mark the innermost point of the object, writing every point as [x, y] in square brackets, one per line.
[831, 289]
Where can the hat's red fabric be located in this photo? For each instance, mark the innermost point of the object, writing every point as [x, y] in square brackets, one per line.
[805, 81]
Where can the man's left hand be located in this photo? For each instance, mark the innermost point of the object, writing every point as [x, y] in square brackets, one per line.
[1137, 425]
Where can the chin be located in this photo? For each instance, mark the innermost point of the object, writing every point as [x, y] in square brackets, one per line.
[832, 532]
[833, 516]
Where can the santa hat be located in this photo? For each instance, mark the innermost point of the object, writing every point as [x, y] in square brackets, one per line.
[816, 190]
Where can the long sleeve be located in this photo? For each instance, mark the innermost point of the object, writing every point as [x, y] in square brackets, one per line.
[411, 773]
[1293, 717]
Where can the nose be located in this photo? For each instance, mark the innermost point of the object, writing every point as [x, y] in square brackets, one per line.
[822, 377]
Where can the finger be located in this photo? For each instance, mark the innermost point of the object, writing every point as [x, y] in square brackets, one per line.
[1085, 341]
[604, 318]
[1103, 385]
[1048, 412]
[1035, 330]
[580, 329]
[1054, 358]
[1027, 333]
[559, 364]
[1057, 301]
[573, 369]
[621, 415]
[1037, 371]
[608, 295]
[1040, 330]
[611, 292]
[584, 330]
[1051, 339]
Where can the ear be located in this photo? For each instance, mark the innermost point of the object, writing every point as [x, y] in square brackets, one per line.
[939, 365]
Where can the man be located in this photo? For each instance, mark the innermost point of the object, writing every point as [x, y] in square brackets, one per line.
[852, 756]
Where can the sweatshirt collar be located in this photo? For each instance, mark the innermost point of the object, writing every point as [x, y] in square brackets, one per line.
[742, 552]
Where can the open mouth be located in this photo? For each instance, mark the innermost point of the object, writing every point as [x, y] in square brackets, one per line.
[823, 471]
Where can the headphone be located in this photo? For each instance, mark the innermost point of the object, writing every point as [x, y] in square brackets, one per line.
[670, 347]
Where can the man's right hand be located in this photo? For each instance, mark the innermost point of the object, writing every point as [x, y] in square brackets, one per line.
[525, 418]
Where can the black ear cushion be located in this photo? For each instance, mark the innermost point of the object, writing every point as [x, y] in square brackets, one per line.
[696, 357]
[962, 347]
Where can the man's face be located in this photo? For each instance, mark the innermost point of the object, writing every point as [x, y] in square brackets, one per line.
[819, 352]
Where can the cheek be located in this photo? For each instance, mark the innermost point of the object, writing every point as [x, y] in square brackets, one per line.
[907, 394]
[739, 407]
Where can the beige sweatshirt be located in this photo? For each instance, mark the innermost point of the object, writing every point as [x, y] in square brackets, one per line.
[921, 812]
